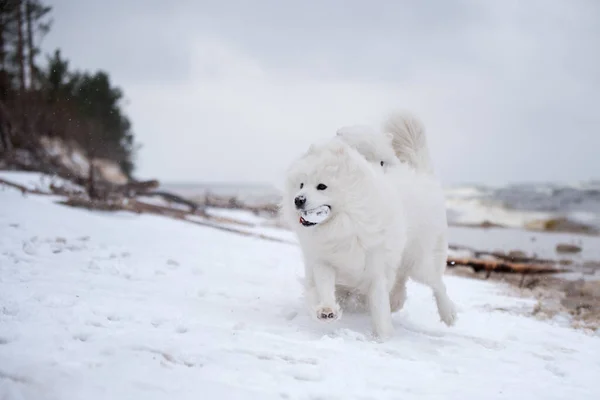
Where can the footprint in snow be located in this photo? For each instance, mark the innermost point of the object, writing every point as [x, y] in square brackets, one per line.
[113, 318]
[11, 310]
[82, 337]
[95, 324]
[157, 322]
[181, 329]
[30, 247]
[268, 356]
[304, 375]
[555, 370]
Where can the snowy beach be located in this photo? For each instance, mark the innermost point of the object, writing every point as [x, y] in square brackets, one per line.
[160, 161]
[98, 305]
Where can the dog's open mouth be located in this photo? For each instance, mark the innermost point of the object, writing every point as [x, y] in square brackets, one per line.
[315, 216]
[305, 222]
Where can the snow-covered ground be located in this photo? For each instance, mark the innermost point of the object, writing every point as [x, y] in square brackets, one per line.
[122, 306]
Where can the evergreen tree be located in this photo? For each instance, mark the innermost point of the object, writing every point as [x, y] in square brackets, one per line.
[8, 44]
[84, 108]
[99, 103]
[104, 131]
[37, 27]
[20, 47]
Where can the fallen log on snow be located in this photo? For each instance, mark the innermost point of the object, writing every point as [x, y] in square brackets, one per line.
[489, 266]
[141, 207]
[22, 188]
[129, 189]
[131, 205]
[233, 203]
[506, 257]
[173, 198]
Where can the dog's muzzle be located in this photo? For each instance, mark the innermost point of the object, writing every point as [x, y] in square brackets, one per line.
[315, 216]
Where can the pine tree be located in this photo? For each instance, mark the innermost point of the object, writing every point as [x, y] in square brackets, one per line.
[84, 108]
[20, 50]
[35, 13]
[8, 30]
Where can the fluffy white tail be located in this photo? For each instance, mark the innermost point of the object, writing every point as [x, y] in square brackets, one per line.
[409, 140]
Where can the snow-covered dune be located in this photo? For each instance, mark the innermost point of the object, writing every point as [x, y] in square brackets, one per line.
[122, 306]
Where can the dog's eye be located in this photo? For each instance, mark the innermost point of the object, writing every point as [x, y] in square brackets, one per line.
[301, 185]
[320, 186]
[381, 163]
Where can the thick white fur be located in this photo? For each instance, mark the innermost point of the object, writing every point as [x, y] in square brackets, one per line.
[409, 140]
[386, 225]
[376, 148]
[403, 130]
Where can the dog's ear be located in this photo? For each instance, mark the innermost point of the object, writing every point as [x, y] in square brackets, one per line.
[311, 149]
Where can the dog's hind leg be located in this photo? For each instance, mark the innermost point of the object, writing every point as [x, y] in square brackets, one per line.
[430, 271]
[378, 296]
[379, 306]
[398, 293]
[445, 306]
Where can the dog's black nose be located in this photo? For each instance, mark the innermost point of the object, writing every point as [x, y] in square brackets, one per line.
[299, 201]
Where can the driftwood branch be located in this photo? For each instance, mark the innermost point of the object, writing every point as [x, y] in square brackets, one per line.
[478, 265]
[233, 203]
[133, 188]
[141, 207]
[174, 199]
[506, 257]
[108, 190]
[22, 188]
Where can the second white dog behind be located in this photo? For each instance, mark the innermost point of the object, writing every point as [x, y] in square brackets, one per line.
[385, 221]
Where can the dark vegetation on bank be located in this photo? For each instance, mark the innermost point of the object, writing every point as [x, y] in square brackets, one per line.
[54, 118]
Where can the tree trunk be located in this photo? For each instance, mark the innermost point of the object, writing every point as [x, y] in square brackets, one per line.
[91, 185]
[5, 127]
[30, 48]
[2, 44]
[3, 74]
[20, 46]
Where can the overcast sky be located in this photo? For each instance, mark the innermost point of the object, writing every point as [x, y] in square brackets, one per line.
[232, 90]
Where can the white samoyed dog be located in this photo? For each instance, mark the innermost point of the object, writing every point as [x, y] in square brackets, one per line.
[369, 213]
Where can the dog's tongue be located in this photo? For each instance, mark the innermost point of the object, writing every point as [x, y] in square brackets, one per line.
[316, 215]
[305, 222]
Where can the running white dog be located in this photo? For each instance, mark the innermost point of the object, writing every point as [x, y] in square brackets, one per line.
[369, 214]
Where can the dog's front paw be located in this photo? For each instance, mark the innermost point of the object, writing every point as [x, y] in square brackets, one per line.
[328, 313]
